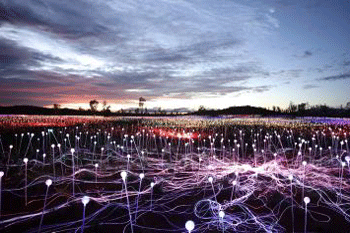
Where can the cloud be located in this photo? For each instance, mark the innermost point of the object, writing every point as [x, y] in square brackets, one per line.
[261, 89]
[16, 59]
[336, 77]
[307, 53]
[60, 17]
[309, 86]
[288, 74]
[310, 4]
[100, 49]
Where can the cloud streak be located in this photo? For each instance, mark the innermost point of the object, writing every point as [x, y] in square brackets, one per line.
[336, 77]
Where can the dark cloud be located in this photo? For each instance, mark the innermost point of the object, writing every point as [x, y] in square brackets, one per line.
[193, 53]
[346, 63]
[310, 4]
[216, 81]
[307, 53]
[309, 86]
[60, 17]
[230, 74]
[336, 77]
[9, 55]
[163, 56]
[261, 89]
[16, 13]
[15, 60]
[288, 74]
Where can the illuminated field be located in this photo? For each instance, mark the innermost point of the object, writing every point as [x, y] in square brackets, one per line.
[155, 174]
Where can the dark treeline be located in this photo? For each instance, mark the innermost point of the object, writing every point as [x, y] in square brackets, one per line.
[302, 109]
[34, 110]
[297, 110]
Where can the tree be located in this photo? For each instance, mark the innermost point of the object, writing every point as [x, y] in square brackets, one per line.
[141, 103]
[201, 108]
[105, 108]
[347, 105]
[292, 108]
[56, 106]
[93, 105]
[302, 107]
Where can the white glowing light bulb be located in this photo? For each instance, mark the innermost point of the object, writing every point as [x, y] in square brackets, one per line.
[347, 159]
[189, 225]
[290, 177]
[123, 174]
[48, 182]
[85, 200]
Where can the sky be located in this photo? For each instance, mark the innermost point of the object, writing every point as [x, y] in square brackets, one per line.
[174, 53]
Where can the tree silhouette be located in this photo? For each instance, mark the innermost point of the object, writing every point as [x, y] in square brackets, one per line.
[292, 108]
[105, 108]
[93, 105]
[302, 108]
[201, 108]
[141, 103]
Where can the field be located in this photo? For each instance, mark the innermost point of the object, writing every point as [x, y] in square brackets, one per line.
[139, 174]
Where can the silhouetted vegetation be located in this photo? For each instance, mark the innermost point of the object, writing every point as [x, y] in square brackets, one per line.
[93, 105]
[297, 110]
[241, 110]
[293, 110]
